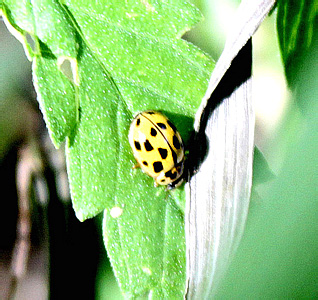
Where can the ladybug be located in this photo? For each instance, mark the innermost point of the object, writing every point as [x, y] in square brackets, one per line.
[157, 147]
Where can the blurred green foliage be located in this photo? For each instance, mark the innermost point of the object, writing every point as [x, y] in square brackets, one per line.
[278, 256]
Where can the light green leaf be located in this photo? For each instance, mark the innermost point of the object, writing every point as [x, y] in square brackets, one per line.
[128, 57]
[148, 255]
[159, 19]
[93, 149]
[296, 22]
[148, 72]
[53, 41]
[58, 104]
[45, 20]
[148, 63]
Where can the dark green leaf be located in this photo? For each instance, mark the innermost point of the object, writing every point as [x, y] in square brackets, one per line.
[297, 20]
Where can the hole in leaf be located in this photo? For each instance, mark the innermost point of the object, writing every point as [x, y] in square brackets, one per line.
[68, 67]
[30, 41]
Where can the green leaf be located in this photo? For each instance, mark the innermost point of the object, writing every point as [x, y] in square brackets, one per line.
[125, 58]
[153, 18]
[94, 148]
[147, 71]
[45, 20]
[58, 104]
[49, 46]
[149, 63]
[145, 241]
[296, 24]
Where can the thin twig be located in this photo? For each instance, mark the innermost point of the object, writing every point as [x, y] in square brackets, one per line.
[27, 165]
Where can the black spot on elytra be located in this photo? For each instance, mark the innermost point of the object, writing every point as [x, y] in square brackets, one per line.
[176, 142]
[153, 131]
[145, 163]
[171, 175]
[163, 180]
[163, 153]
[157, 166]
[137, 145]
[174, 157]
[148, 146]
[150, 112]
[172, 126]
[162, 126]
[138, 122]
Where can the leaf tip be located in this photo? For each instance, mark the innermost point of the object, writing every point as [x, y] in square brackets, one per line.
[80, 215]
[21, 36]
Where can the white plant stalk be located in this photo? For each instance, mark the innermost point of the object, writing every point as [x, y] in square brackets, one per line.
[218, 194]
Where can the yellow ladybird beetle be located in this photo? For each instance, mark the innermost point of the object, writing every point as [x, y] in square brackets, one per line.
[157, 147]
